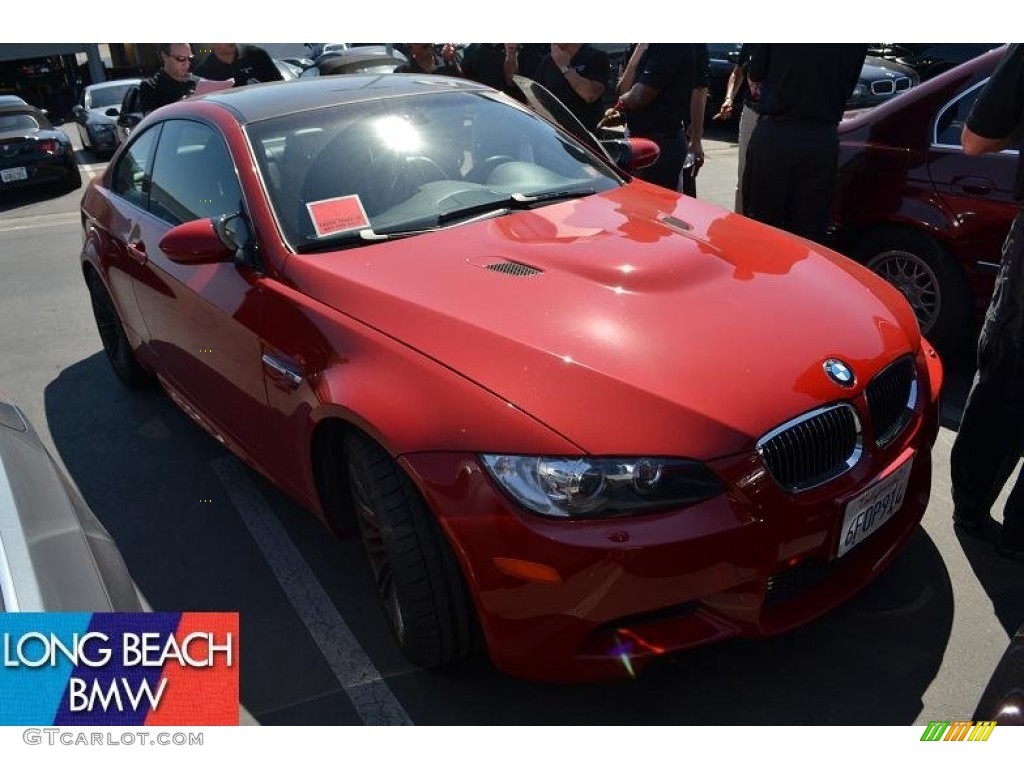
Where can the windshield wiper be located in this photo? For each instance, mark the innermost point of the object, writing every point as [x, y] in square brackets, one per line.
[424, 224]
[516, 201]
[356, 237]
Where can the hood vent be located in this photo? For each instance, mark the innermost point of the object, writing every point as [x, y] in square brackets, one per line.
[513, 268]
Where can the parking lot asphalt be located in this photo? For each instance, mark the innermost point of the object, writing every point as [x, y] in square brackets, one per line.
[917, 645]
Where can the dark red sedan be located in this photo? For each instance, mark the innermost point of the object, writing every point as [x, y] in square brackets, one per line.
[584, 420]
[911, 206]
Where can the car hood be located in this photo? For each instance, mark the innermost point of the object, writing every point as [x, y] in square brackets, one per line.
[876, 68]
[634, 321]
[99, 115]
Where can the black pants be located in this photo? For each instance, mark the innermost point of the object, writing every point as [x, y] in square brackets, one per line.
[665, 172]
[790, 175]
[991, 436]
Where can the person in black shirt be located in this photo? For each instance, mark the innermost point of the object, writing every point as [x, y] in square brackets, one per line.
[991, 435]
[793, 154]
[247, 64]
[655, 93]
[423, 60]
[577, 74]
[494, 64]
[172, 82]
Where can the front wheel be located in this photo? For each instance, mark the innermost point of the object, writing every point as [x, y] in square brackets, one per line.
[418, 579]
[927, 275]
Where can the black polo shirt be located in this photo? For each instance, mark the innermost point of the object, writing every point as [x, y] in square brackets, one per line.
[161, 89]
[441, 67]
[999, 110]
[251, 65]
[810, 82]
[485, 63]
[671, 70]
[588, 62]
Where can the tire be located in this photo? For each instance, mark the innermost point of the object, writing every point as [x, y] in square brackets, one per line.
[115, 343]
[417, 577]
[933, 283]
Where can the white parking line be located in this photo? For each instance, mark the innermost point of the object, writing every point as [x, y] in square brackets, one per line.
[39, 220]
[359, 678]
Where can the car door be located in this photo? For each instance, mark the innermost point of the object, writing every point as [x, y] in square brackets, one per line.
[130, 114]
[128, 201]
[202, 319]
[978, 190]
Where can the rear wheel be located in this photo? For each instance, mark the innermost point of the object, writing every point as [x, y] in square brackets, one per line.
[934, 284]
[115, 343]
[417, 576]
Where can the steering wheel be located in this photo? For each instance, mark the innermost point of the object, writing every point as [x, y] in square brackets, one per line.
[427, 168]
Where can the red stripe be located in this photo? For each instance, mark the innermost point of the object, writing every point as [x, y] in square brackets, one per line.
[201, 695]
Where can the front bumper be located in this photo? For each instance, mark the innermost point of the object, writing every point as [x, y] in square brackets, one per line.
[754, 561]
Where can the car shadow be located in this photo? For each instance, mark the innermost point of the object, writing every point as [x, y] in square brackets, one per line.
[11, 200]
[144, 468]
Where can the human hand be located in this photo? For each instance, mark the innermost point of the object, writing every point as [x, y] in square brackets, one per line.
[725, 111]
[697, 150]
[560, 56]
[448, 52]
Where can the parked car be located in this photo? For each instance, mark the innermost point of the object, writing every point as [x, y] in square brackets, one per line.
[288, 71]
[911, 206]
[56, 555]
[129, 115]
[584, 418]
[930, 59]
[96, 115]
[33, 152]
[355, 60]
[7, 100]
[1003, 699]
[881, 80]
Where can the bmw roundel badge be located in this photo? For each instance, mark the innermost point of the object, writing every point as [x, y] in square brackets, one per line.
[839, 372]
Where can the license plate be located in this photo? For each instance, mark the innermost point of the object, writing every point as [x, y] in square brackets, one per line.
[868, 511]
[13, 174]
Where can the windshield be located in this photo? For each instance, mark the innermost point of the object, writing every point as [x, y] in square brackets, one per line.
[110, 96]
[416, 162]
[18, 122]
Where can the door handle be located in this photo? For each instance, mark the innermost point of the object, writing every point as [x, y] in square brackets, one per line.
[137, 250]
[976, 185]
[282, 375]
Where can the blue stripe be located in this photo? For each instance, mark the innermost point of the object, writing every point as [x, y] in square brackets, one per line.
[31, 695]
[125, 679]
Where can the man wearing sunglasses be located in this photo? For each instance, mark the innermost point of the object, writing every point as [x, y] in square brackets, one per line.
[247, 64]
[172, 82]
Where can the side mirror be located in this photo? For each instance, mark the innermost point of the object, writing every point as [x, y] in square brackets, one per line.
[78, 111]
[235, 234]
[112, 112]
[195, 242]
[632, 154]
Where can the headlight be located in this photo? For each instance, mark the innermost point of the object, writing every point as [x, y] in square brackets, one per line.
[601, 487]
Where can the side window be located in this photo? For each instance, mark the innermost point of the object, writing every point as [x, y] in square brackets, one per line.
[953, 118]
[131, 101]
[130, 175]
[193, 176]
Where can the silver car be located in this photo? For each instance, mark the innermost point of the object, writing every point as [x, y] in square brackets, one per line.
[54, 554]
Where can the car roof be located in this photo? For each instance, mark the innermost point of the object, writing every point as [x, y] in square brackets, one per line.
[22, 109]
[8, 100]
[113, 83]
[268, 100]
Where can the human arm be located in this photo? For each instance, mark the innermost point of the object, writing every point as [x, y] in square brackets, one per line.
[588, 84]
[996, 121]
